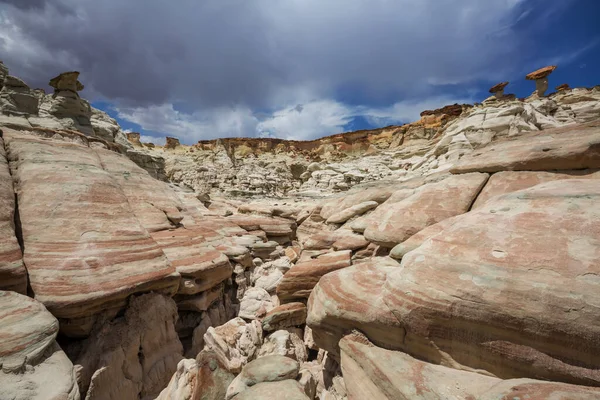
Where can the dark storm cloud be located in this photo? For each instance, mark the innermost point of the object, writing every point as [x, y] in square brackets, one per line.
[205, 54]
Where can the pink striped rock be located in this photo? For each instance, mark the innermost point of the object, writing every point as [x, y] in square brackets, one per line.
[434, 202]
[85, 250]
[299, 281]
[31, 362]
[374, 373]
[155, 206]
[510, 288]
[12, 272]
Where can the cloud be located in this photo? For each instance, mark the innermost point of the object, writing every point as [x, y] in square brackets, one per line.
[300, 122]
[209, 54]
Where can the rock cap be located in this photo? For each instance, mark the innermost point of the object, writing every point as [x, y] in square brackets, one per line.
[540, 73]
[67, 81]
[564, 86]
[498, 87]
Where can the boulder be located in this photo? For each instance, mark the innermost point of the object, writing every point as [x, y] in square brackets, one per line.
[12, 272]
[284, 316]
[85, 250]
[285, 342]
[255, 303]
[264, 369]
[429, 204]
[569, 147]
[32, 365]
[299, 281]
[234, 343]
[183, 384]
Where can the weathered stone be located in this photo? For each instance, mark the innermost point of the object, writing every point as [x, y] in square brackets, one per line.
[12, 272]
[454, 302]
[285, 342]
[330, 319]
[255, 303]
[351, 212]
[510, 181]
[378, 374]
[32, 365]
[135, 356]
[288, 389]
[429, 204]
[299, 281]
[570, 147]
[341, 239]
[285, 316]
[183, 384]
[264, 369]
[84, 249]
[234, 343]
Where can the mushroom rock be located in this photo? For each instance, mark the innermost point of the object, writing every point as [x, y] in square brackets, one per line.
[564, 86]
[172, 143]
[66, 81]
[134, 138]
[498, 90]
[540, 77]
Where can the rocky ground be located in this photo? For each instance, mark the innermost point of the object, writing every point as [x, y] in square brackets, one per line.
[457, 257]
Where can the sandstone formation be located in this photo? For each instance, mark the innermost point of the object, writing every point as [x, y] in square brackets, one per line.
[455, 257]
[540, 77]
[12, 272]
[32, 365]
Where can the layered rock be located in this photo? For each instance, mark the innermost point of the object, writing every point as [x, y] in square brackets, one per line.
[85, 250]
[12, 272]
[375, 373]
[300, 280]
[485, 294]
[429, 204]
[32, 365]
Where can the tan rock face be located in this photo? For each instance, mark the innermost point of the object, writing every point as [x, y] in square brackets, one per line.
[32, 365]
[497, 291]
[76, 218]
[429, 204]
[134, 356]
[570, 147]
[300, 280]
[12, 272]
[375, 373]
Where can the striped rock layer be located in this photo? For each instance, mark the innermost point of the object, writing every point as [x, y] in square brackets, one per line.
[31, 362]
[510, 288]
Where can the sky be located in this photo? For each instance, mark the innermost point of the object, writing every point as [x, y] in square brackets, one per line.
[293, 69]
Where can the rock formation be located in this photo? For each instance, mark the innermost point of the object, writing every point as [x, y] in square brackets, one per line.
[498, 90]
[455, 257]
[540, 77]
